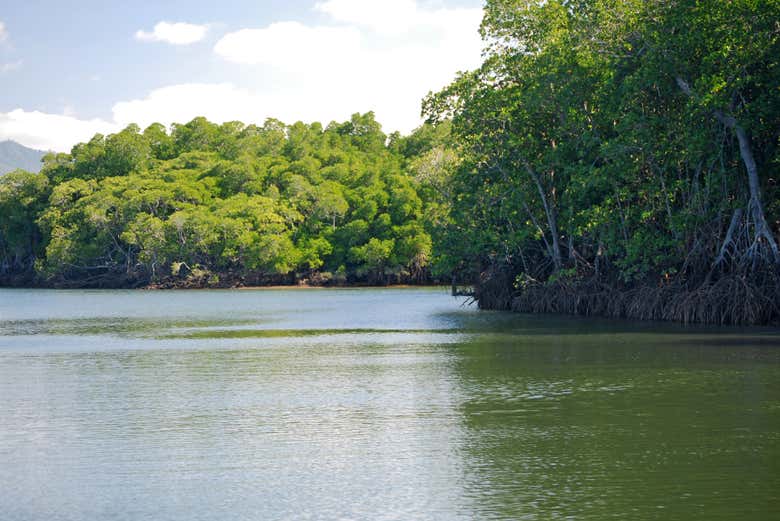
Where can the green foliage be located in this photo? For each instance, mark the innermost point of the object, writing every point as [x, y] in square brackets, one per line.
[579, 150]
[22, 197]
[210, 202]
[597, 139]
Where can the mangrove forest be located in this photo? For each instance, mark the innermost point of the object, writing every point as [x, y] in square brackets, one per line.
[612, 158]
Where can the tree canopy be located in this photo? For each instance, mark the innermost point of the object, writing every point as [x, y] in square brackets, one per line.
[232, 202]
[614, 157]
[625, 144]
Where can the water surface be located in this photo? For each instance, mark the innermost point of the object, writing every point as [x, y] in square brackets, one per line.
[375, 404]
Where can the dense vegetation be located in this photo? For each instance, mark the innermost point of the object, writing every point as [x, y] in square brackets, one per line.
[620, 158]
[227, 204]
[610, 157]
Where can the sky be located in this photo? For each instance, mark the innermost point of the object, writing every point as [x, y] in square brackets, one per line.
[70, 69]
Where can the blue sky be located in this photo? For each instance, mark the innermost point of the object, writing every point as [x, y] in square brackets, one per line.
[69, 69]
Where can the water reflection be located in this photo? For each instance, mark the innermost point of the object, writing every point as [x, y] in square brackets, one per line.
[577, 427]
[396, 404]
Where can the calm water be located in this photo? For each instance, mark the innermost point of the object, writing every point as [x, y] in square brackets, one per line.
[375, 404]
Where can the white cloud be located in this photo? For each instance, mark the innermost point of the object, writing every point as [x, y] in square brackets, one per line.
[380, 15]
[3, 32]
[223, 102]
[181, 103]
[174, 104]
[380, 55]
[12, 66]
[287, 44]
[49, 131]
[174, 33]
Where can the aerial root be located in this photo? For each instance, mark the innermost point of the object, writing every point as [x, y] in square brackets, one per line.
[732, 299]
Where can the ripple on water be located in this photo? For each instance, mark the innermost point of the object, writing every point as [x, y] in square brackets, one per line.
[394, 404]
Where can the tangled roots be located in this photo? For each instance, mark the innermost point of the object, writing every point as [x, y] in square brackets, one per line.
[732, 299]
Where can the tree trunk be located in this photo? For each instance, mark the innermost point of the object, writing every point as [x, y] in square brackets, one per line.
[554, 250]
[746, 153]
[729, 240]
[757, 209]
[552, 221]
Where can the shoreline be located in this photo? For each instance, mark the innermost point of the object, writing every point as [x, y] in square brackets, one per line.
[729, 301]
[543, 300]
[310, 286]
[274, 287]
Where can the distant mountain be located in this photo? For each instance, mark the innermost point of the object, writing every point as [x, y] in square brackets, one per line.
[13, 156]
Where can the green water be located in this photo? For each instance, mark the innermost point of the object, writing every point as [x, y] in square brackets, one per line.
[375, 404]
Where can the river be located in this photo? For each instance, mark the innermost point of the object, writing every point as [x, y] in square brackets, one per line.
[375, 404]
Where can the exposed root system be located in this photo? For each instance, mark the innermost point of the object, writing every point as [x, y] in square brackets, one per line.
[732, 299]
